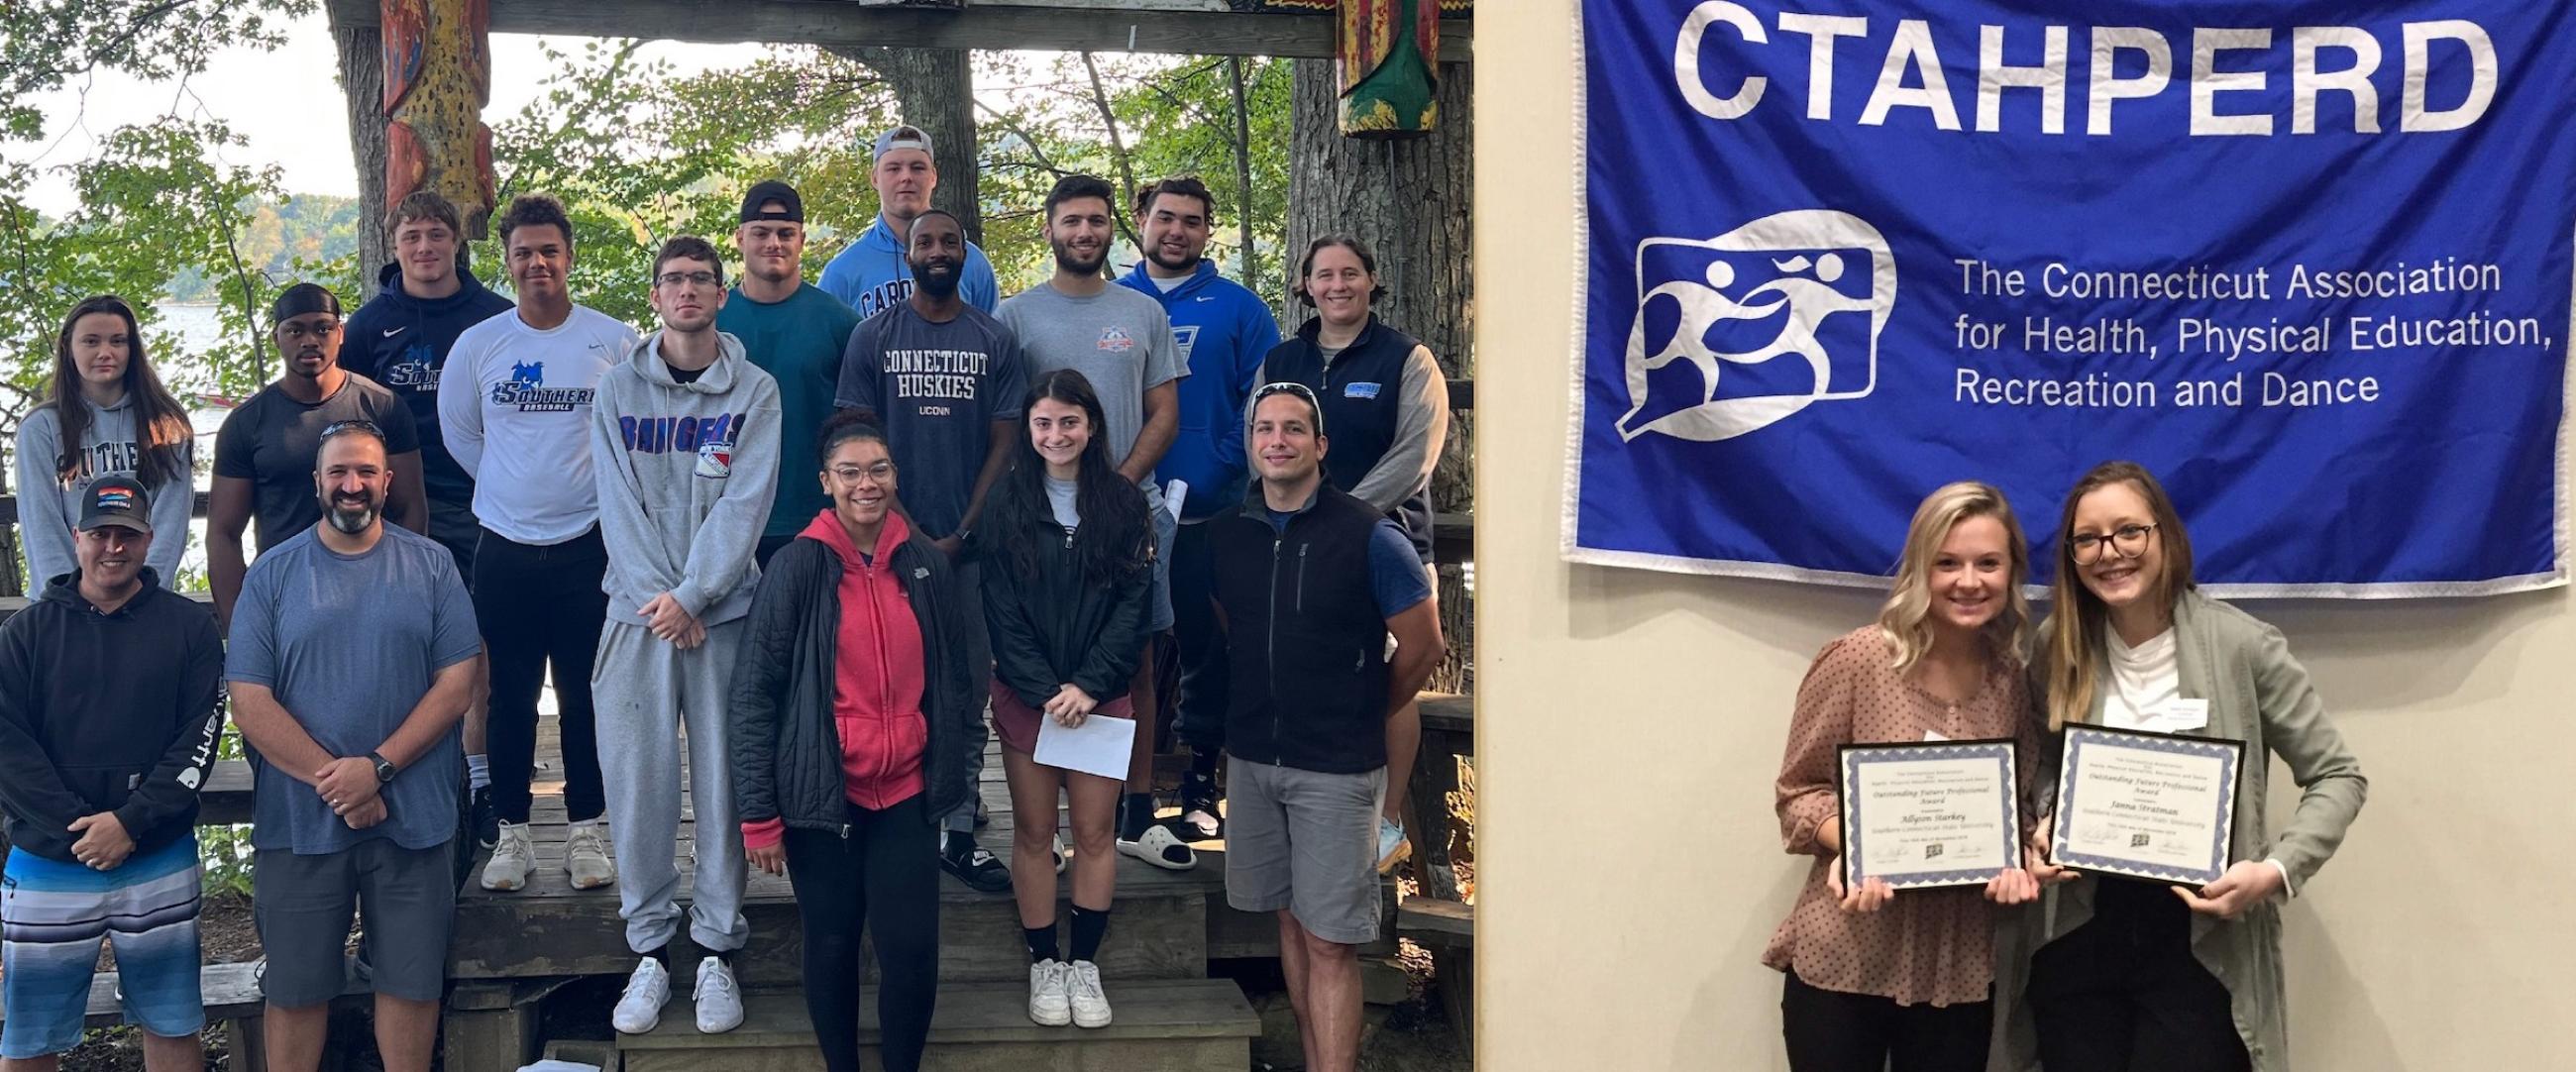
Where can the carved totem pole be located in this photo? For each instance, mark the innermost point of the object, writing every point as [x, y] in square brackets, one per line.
[438, 75]
[1387, 52]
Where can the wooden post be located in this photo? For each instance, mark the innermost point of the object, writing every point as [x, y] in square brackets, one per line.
[362, 84]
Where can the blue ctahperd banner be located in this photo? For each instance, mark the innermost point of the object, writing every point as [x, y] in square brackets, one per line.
[2309, 262]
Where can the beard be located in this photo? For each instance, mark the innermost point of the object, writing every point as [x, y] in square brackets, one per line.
[940, 286]
[1181, 264]
[1070, 261]
[351, 518]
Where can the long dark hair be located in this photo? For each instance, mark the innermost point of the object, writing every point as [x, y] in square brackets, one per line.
[161, 423]
[2081, 616]
[1115, 538]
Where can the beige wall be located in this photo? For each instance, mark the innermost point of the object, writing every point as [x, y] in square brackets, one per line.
[1632, 722]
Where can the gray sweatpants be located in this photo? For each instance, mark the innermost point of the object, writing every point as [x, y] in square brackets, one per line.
[649, 694]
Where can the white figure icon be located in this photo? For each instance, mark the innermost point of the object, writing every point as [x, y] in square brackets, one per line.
[1805, 292]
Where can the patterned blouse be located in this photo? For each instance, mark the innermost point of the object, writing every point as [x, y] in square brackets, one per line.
[1926, 945]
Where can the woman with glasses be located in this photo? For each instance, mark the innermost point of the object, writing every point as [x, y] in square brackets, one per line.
[855, 722]
[1386, 405]
[1069, 553]
[106, 412]
[1872, 975]
[2137, 976]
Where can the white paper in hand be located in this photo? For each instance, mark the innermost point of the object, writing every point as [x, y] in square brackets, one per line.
[1098, 746]
[1173, 494]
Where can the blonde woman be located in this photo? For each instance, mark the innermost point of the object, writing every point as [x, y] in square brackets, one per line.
[1874, 977]
[2134, 976]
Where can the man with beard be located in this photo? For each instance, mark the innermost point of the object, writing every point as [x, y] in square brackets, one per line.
[945, 380]
[109, 712]
[1121, 341]
[1222, 330]
[352, 657]
[684, 444]
[515, 399]
[873, 274]
[401, 339]
[264, 452]
[796, 333]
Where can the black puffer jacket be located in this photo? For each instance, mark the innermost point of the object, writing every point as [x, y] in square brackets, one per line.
[786, 746]
[1058, 626]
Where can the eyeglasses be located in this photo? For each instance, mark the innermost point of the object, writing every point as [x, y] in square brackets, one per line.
[700, 279]
[850, 474]
[342, 427]
[294, 331]
[2127, 541]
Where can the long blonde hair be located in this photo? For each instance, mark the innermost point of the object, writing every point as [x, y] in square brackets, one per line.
[1904, 618]
[2079, 619]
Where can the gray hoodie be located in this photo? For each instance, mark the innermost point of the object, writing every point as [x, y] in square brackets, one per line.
[685, 473]
[48, 505]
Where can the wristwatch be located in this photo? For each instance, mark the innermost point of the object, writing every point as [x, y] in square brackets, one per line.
[385, 769]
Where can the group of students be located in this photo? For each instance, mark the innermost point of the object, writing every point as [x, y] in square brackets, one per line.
[2076, 972]
[988, 524]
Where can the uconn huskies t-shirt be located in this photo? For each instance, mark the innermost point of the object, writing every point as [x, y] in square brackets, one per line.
[937, 389]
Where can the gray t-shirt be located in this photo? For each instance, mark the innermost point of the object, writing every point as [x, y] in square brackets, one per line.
[937, 389]
[1061, 497]
[349, 644]
[1118, 339]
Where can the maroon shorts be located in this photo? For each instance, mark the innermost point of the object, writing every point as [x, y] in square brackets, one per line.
[1017, 723]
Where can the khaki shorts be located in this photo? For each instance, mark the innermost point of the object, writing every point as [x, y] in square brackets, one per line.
[1306, 842]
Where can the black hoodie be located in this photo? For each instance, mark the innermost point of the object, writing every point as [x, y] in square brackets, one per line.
[402, 342]
[107, 712]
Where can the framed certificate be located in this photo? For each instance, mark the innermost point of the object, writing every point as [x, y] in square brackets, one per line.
[1929, 814]
[2146, 805]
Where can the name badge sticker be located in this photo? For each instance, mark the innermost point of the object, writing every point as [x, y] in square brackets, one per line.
[1360, 390]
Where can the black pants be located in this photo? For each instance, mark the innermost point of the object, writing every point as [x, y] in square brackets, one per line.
[883, 874]
[1201, 712]
[540, 605]
[2123, 993]
[1830, 1031]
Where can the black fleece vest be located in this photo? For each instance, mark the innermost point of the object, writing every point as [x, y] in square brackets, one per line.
[1361, 392]
[1305, 641]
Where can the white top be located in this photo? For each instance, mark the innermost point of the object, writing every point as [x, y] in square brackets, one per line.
[2144, 681]
[514, 404]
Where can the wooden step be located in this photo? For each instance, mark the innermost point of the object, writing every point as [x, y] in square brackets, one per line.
[1195, 1025]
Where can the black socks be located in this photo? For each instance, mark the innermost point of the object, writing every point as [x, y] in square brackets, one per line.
[1089, 926]
[1135, 813]
[1042, 941]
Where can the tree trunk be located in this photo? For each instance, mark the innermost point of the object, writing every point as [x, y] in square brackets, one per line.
[936, 87]
[1410, 199]
[362, 85]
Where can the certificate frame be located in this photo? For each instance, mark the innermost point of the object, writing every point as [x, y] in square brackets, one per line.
[1862, 858]
[2071, 814]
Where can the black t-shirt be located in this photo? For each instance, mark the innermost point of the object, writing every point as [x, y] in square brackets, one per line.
[272, 440]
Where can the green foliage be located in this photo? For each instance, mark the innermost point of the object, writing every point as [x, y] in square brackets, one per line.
[45, 44]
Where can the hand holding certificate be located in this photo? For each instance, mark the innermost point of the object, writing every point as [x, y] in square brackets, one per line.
[2146, 805]
[1930, 814]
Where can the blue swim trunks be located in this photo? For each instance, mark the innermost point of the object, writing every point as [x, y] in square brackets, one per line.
[53, 916]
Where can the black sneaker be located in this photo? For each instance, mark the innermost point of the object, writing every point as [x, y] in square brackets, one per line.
[487, 823]
[981, 871]
[1199, 819]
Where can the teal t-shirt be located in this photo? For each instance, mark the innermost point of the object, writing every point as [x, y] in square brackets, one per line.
[799, 343]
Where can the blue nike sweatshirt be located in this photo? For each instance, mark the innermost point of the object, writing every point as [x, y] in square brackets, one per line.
[1224, 330]
[402, 342]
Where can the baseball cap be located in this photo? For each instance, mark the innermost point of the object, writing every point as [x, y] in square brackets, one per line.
[792, 207]
[905, 136]
[116, 499]
[303, 298]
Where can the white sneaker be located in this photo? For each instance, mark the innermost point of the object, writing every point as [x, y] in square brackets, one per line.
[640, 1009]
[1048, 1006]
[1082, 991]
[512, 855]
[586, 856]
[1392, 846]
[719, 1000]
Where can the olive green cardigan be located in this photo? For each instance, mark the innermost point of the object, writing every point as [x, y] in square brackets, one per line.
[2257, 694]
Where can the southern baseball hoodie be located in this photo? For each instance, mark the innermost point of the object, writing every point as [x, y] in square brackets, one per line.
[685, 472]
